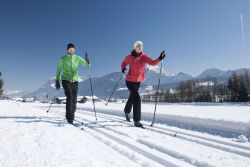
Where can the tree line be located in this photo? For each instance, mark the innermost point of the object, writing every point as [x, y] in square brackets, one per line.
[236, 89]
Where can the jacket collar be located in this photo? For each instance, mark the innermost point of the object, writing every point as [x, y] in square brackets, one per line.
[70, 56]
[135, 54]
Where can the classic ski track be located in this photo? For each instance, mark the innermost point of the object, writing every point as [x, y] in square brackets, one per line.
[132, 158]
[214, 143]
[144, 149]
[176, 155]
[181, 132]
[152, 146]
[113, 145]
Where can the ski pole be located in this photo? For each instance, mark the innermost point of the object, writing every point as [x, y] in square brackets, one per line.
[114, 89]
[91, 87]
[156, 101]
[50, 104]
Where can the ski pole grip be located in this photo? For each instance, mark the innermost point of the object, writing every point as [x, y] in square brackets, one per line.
[86, 54]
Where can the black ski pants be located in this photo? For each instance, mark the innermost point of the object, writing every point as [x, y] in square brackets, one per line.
[134, 100]
[70, 90]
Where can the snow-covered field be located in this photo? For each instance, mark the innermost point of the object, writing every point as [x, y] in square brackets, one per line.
[29, 136]
[227, 120]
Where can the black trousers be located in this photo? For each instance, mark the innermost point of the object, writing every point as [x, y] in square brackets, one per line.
[70, 90]
[134, 100]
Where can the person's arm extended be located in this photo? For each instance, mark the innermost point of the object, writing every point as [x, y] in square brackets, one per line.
[59, 69]
[151, 61]
[83, 62]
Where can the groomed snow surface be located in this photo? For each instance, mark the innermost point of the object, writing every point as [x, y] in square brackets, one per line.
[29, 136]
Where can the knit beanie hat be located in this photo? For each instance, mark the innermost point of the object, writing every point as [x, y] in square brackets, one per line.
[70, 45]
[138, 43]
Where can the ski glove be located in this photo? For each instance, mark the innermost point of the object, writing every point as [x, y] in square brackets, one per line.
[58, 84]
[124, 70]
[162, 55]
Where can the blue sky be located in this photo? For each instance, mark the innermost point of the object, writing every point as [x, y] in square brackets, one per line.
[196, 34]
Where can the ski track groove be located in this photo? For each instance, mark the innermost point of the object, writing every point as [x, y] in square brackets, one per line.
[184, 133]
[158, 148]
[224, 146]
[113, 145]
[133, 147]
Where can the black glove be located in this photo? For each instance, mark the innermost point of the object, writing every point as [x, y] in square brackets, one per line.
[124, 70]
[86, 58]
[162, 55]
[58, 84]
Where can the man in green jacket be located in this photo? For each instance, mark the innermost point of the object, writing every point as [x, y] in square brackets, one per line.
[69, 65]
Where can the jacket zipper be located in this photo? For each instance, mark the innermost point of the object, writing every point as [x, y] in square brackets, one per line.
[71, 69]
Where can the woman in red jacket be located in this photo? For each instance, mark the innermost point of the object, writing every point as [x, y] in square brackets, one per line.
[137, 61]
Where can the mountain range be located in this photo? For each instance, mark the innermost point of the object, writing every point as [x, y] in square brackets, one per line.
[103, 86]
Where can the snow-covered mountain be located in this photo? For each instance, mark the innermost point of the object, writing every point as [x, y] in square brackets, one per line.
[46, 89]
[221, 76]
[181, 77]
[14, 93]
[210, 72]
[173, 80]
[49, 89]
[152, 76]
[103, 86]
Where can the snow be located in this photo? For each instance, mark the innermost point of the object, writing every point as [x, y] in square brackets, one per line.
[230, 120]
[209, 83]
[32, 137]
[149, 88]
[9, 92]
[243, 139]
[156, 69]
[53, 85]
[122, 89]
[153, 68]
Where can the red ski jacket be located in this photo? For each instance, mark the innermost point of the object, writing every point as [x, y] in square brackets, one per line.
[137, 66]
